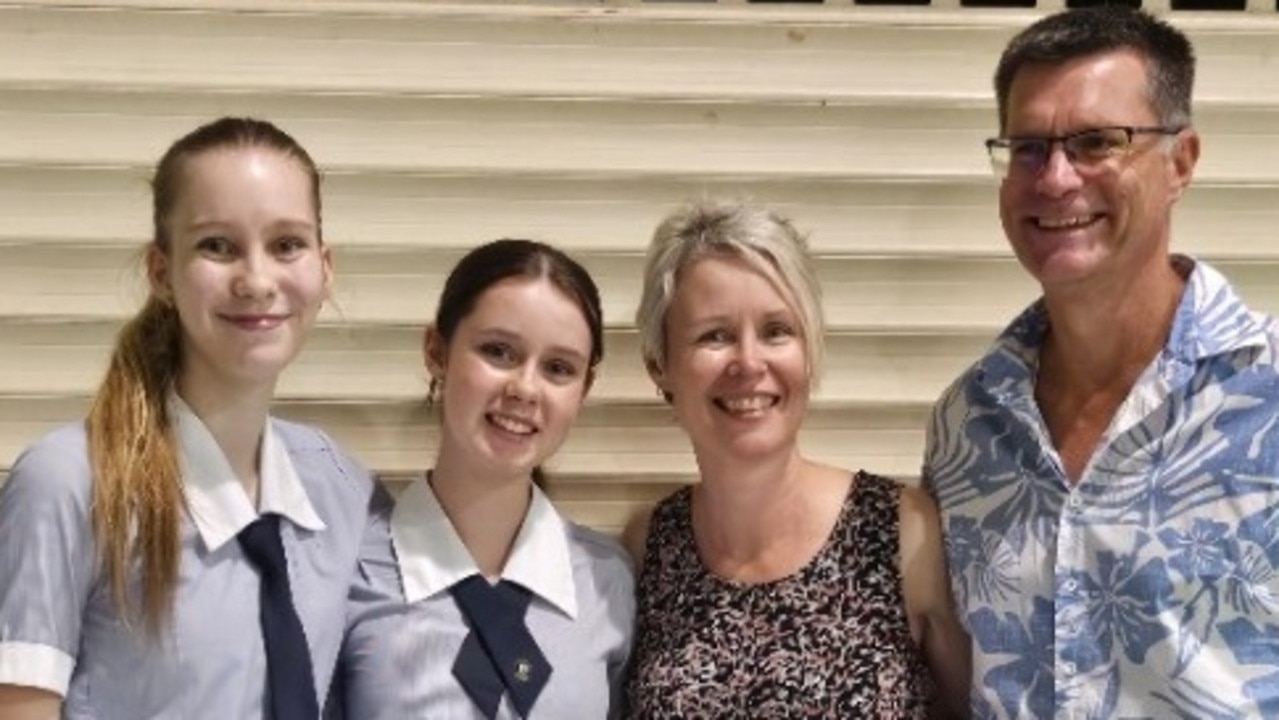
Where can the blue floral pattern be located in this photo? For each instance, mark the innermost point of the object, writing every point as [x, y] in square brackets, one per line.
[1150, 588]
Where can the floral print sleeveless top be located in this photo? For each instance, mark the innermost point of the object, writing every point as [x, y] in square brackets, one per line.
[830, 641]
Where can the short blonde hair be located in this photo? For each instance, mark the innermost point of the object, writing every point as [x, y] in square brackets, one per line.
[765, 240]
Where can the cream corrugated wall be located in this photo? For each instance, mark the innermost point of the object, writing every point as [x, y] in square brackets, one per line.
[441, 126]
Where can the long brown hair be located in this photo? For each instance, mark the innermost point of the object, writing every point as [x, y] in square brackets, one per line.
[137, 489]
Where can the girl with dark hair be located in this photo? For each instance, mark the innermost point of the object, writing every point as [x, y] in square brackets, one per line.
[180, 553]
[484, 602]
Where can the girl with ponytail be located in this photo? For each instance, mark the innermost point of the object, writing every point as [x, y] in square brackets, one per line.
[181, 553]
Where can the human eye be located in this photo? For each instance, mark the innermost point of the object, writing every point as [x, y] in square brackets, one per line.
[290, 246]
[498, 353]
[216, 247]
[779, 330]
[1028, 152]
[560, 370]
[714, 336]
[1096, 144]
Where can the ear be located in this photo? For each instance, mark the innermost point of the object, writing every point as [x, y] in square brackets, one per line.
[1184, 157]
[434, 352]
[326, 260]
[157, 269]
[658, 376]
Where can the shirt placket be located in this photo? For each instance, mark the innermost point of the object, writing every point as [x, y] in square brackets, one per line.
[1071, 626]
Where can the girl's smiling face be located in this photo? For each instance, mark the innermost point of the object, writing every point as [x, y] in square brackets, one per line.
[244, 266]
[513, 377]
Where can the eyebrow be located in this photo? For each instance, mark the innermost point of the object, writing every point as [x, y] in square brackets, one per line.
[501, 333]
[782, 313]
[289, 224]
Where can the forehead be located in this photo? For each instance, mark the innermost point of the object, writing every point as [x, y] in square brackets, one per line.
[245, 178]
[718, 284]
[1106, 88]
[254, 161]
[532, 308]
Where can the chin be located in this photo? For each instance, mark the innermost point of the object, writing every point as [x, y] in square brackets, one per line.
[1062, 267]
[750, 449]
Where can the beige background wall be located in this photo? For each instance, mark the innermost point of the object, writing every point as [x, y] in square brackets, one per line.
[444, 125]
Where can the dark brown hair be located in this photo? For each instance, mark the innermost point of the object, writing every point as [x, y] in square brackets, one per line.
[493, 262]
[1072, 34]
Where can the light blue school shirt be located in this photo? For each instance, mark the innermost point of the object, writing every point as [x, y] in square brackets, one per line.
[406, 629]
[1149, 588]
[59, 629]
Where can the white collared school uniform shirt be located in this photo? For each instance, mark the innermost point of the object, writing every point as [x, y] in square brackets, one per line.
[406, 629]
[59, 628]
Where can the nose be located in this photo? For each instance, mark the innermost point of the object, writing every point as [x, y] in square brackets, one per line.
[522, 384]
[254, 277]
[1058, 176]
[748, 357]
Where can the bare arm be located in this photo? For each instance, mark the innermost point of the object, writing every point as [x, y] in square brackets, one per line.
[926, 586]
[26, 703]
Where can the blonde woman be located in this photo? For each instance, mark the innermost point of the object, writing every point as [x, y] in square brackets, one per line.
[776, 586]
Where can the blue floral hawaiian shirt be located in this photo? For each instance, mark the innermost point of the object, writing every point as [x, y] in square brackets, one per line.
[1149, 589]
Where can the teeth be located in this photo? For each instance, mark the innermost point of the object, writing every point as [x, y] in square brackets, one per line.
[752, 403]
[1067, 222]
[512, 425]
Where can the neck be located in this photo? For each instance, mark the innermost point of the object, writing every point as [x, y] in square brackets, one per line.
[236, 421]
[1103, 337]
[487, 515]
[739, 507]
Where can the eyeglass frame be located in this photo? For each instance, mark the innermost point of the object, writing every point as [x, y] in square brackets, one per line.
[1004, 169]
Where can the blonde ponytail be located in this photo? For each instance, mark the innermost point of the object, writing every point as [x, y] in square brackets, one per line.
[137, 492]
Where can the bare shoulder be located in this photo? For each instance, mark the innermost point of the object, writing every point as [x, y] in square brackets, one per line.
[920, 519]
[635, 533]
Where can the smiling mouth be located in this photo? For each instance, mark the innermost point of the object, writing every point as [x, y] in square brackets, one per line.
[511, 425]
[1065, 223]
[747, 405]
[256, 322]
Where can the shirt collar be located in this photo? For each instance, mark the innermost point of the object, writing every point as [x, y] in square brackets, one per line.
[219, 507]
[432, 557]
[1212, 318]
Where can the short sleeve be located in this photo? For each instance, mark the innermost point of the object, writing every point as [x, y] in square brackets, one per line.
[47, 561]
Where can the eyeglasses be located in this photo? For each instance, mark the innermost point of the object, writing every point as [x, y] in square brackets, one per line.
[1086, 149]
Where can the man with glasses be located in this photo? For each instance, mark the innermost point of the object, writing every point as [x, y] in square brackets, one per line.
[1108, 472]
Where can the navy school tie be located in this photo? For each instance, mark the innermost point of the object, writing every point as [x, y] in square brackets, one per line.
[290, 684]
[499, 653]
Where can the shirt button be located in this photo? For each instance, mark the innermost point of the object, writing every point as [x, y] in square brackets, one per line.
[1076, 502]
[1068, 668]
[1069, 585]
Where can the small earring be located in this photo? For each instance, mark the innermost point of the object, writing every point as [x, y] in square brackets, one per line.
[434, 391]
